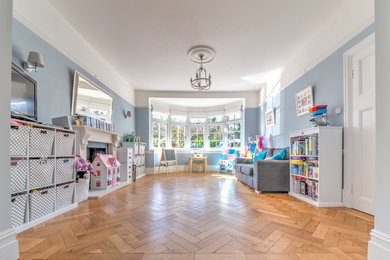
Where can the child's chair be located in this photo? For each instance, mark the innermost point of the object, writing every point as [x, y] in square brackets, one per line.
[226, 163]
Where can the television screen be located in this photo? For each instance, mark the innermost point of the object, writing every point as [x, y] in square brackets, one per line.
[23, 93]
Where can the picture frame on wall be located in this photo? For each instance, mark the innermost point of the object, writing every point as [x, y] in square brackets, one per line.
[304, 101]
[270, 117]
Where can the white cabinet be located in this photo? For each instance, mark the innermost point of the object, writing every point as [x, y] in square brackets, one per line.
[316, 166]
[125, 157]
[42, 173]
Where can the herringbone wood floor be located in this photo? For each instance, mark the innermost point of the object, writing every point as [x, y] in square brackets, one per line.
[198, 216]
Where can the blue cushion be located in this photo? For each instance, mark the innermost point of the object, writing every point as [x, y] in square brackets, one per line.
[280, 155]
[260, 156]
[232, 151]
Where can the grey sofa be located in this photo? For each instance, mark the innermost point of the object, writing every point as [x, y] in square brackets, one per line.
[265, 175]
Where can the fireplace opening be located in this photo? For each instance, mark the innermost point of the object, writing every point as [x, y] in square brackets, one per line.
[95, 148]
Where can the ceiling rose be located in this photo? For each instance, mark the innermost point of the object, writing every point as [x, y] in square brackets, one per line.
[201, 54]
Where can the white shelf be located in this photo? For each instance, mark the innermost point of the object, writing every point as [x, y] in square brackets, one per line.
[306, 177]
[304, 198]
[304, 156]
[329, 189]
[28, 224]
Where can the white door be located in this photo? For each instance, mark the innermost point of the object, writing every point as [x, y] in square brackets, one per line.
[363, 128]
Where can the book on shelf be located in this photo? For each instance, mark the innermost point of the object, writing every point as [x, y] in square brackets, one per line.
[306, 145]
[96, 123]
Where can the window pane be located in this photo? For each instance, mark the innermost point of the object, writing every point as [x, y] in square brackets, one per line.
[181, 119]
[197, 120]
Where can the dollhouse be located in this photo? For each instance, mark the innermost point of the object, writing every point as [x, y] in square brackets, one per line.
[107, 174]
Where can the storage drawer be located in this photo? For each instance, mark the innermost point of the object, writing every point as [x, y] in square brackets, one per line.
[19, 140]
[41, 172]
[41, 142]
[65, 194]
[18, 209]
[65, 169]
[64, 143]
[19, 170]
[41, 203]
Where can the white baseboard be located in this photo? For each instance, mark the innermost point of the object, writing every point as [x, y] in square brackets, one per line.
[28, 225]
[379, 245]
[181, 168]
[9, 248]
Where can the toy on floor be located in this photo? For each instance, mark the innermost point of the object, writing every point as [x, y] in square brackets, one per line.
[226, 163]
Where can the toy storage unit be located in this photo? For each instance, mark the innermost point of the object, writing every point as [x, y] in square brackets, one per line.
[138, 158]
[125, 157]
[42, 173]
[316, 166]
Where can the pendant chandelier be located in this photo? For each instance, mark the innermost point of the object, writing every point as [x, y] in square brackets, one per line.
[201, 55]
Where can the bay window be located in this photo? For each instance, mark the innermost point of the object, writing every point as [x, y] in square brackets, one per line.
[178, 136]
[216, 136]
[197, 136]
[196, 130]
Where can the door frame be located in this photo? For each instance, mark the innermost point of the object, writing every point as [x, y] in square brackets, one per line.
[348, 158]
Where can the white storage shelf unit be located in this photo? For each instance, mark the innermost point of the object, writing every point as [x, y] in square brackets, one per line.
[316, 166]
[42, 173]
[138, 158]
[125, 157]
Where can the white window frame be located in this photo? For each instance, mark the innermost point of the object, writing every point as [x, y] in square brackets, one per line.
[206, 126]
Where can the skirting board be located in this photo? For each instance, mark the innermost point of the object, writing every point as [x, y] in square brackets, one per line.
[379, 245]
[97, 194]
[45, 218]
[9, 248]
[181, 168]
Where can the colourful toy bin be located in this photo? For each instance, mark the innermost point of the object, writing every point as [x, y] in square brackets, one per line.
[226, 163]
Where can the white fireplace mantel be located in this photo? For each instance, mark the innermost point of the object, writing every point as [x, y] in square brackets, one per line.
[87, 134]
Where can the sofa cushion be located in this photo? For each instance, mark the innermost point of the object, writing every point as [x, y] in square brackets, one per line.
[237, 167]
[280, 156]
[247, 169]
[269, 151]
[260, 156]
[278, 150]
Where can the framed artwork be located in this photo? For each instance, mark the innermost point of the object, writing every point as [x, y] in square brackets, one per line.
[304, 101]
[270, 117]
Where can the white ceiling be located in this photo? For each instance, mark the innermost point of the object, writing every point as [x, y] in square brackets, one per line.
[147, 41]
[196, 102]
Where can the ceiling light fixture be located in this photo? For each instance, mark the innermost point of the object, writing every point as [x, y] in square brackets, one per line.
[201, 55]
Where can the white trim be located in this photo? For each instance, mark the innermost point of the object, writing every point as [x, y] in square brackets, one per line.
[330, 51]
[347, 56]
[45, 218]
[379, 245]
[180, 168]
[92, 62]
[9, 248]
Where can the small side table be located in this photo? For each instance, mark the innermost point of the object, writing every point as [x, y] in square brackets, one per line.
[202, 159]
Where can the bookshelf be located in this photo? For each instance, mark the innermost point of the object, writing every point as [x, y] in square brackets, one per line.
[316, 166]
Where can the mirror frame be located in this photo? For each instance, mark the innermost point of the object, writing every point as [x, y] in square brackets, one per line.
[77, 75]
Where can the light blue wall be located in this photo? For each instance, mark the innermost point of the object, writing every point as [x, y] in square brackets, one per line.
[251, 123]
[328, 86]
[142, 123]
[55, 81]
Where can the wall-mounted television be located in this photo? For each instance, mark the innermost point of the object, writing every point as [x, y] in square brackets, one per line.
[23, 94]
